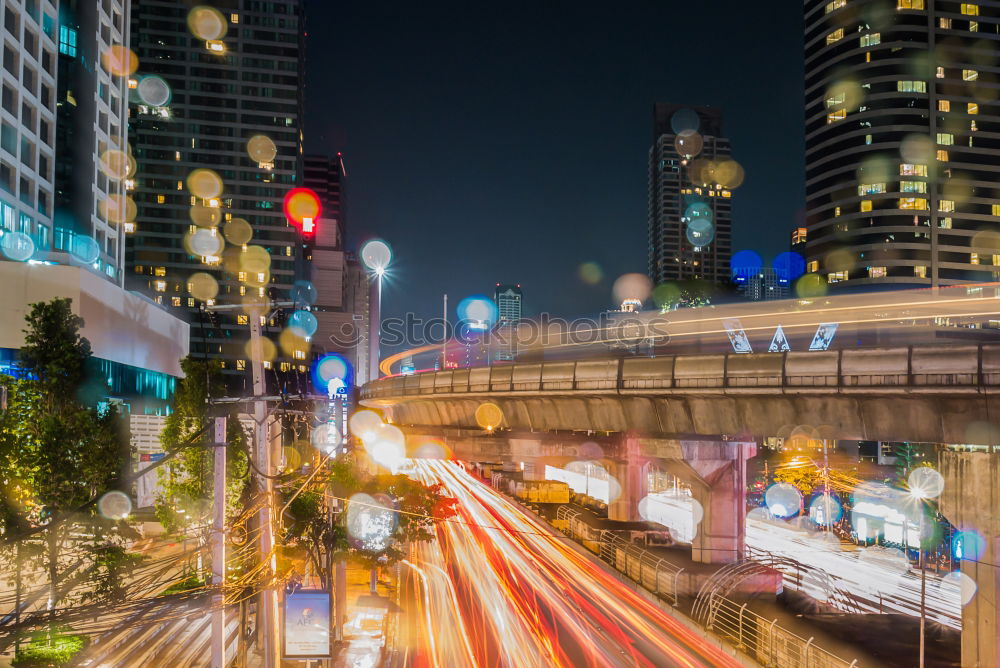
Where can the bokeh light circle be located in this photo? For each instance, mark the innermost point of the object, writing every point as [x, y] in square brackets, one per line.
[204, 243]
[303, 323]
[685, 119]
[261, 148]
[788, 266]
[925, 483]
[204, 183]
[783, 499]
[968, 544]
[688, 143]
[745, 264]
[302, 203]
[809, 286]
[153, 90]
[478, 309]
[699, 210]
[590, 273]
[17, 246]
[825, 509]
[365, 424]
[207, 23]
[205, 216]
[966, 585]
[666, 295]
[489, 416]
[115, 164]
[632, 286]
[84, 249]
[118, 208]
[700, 232]
[114, 505]
[303, 293]
[331, 368]
[203, 286]
[237, 231]
[917, 149]
[119, 60]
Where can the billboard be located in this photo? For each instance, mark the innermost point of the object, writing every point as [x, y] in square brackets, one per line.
[306, 625]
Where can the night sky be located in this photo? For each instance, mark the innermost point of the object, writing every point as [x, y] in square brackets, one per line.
[508, 142]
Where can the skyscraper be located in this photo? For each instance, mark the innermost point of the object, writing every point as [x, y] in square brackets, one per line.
[691, 176]
[64, 109]
[508, 301]
[900, 164]
[218, 100]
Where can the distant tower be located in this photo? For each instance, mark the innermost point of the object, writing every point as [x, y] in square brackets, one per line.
[690, 180]
[508, 300]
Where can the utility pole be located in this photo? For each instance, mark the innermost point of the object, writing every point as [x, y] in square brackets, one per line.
[444, 335]
[268, 612]
[219, 547]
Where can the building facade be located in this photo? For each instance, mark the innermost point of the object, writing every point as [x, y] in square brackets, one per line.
[761, 284]
[64, 111]
[901, 113]
[217, 137]
[508, 299]
[691, 176]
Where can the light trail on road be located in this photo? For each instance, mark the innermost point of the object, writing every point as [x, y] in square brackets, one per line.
[499, 589]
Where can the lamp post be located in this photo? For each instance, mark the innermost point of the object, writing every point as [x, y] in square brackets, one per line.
[376, 256]
[924, 484]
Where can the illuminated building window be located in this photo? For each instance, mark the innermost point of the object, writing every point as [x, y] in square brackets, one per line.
[299, 354]
[871, 39]
[175, 301]
[942, 155]
[970, 75]
[160, 271]
[194, 200]
[907, 169]
[834, 100]
[946, 205]
[866, 205]
[161, 199]
[995, 260]
[972, 128]
[944, 223]
[190, 302]
[944, 105]
[242, 319]
[180, 185]
[996, 209]
[835, 4]
[241, 365]
[835, 116]
[920, 271]
[837, 276]
[285, 366]
[242, 275]
[724, 193]
[940, 73]
[909, 4]
[836, 211]
[799, 235]
[945, 138]
[160, 286]
[192, 229]
[944, 23]
[973, 258]
[243, 290]
[917, 203]
[234, 18]
[871, 188]
[868, 56]
[972, 108]
[261, 277]
[973, 26]
[835, 36]
[970, 9]
[912, 186]
[267, 365]
[911, 86]
[812, 266]
[868, 140]
[877, 272]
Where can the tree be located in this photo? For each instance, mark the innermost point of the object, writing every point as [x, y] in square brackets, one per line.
[60, 455]
[186, 499]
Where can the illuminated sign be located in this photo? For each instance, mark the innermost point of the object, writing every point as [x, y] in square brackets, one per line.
[307, 625]
[824, 336]
[779, 342]
[737, 336]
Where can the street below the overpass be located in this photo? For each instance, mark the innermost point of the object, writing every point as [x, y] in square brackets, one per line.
[498, 588]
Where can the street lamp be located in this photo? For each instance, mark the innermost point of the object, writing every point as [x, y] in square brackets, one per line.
[376, 256]
[924, 484]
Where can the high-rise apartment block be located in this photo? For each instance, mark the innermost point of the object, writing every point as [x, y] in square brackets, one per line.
[233, 75]
[691, 177]
[508, 301]
[901, 161]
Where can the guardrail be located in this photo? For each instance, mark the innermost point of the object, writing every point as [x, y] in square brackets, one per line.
[655, 574]
[764, 640]
[926, 368]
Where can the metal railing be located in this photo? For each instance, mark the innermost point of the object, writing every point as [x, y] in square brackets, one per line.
[764, 640]
[654, 573]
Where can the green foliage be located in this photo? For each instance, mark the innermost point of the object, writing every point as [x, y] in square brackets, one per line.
[187, 479]
[49, 648]
[54, 351]
[190, 583]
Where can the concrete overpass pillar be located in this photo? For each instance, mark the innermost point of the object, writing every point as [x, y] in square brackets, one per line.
[721, 489]
[630, 474]
[971, 501]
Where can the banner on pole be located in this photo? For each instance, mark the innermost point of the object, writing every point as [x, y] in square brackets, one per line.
[306, 625]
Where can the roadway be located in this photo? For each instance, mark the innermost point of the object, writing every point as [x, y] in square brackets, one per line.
[499, 588]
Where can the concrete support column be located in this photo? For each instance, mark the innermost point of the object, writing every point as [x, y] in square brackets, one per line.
[721, 490]
[630, 474]
[971, 501]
